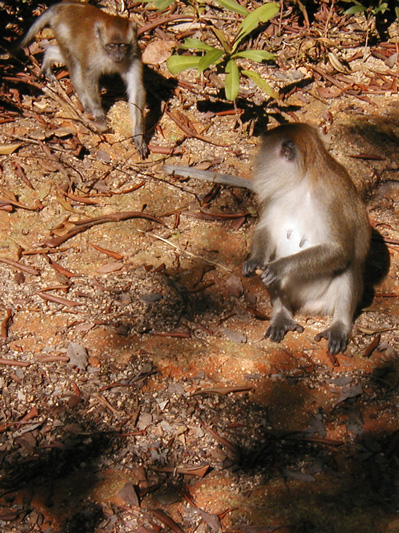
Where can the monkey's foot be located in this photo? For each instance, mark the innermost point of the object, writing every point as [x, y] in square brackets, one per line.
[141, 146]
[280, 325]
[100, 125]
[337, 336]
[250, 266]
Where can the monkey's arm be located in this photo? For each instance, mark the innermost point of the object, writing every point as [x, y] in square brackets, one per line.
[206, 175]
[320, 260]
[261, 252]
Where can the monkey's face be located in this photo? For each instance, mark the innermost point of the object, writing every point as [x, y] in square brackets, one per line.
[117, 51]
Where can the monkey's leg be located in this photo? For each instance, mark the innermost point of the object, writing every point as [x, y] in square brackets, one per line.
[52, 55]
[136, 95]
[87, 88]
[282, 320]
[347, 288]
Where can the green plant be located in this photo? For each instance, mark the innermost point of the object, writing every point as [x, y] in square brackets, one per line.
[372, 10]
[161, 5]
[228, 53]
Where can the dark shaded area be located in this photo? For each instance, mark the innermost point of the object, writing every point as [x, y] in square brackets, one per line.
[45, 471]
[376, 266]
[269, 446]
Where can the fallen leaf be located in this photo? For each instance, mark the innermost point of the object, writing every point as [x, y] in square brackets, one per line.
[115, 255]
[235, 336]
[299, 476]
[234, 286]
[349, 391]
[77, 355]
[57, 299]
[110, 267]
[6, 149]
[158, 51]
[129, 495]
[223, 390]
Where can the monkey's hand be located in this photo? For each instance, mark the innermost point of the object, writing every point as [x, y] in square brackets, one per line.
[271, 274]
[337, 337]
[251, 266]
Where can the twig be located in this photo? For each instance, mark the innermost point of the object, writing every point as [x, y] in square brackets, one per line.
[83, 225]
[11, 362]
[20, 266]
[197, 257]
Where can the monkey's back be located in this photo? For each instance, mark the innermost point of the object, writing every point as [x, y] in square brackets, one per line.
[77, 29]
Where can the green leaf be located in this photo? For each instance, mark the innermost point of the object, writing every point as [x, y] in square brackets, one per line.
[195, 43]
[260, 15]
[256, 55]
[232, 5]
[161, 4]
[222, 39]
[209, 58]
[381, 8]
[232, 82]
[260, 82]
[355, 9]
[176, 64]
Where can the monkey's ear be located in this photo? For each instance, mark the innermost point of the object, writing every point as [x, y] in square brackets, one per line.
[132, 31]
[99, 29]
[288, 149]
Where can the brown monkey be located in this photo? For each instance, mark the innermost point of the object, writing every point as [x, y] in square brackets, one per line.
[92, 43]
[313, 234]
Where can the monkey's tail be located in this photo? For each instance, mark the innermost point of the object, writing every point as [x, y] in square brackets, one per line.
[206, 175]
[40, 23]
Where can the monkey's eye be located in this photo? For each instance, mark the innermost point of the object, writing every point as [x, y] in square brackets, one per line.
[288, 150]
[123, 47]
[112, 47]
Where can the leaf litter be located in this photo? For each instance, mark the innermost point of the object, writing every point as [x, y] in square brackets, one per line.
[126, 380]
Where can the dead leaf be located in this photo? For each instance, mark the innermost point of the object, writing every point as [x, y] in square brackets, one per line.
[199, 471]
[166, 520]
[349, 391]
[6, 149]
[223, 390]
[20, 266]
[27, 441]
[129, 495]
[61, 270]
[110, 267]
[57, 299]
[372, 346]
[235, 336]
[115, 255]
[234, 286]
[299, 476]
[152, 297]
[158, 51]
[328, 92]
[4, 325]
[77, 355]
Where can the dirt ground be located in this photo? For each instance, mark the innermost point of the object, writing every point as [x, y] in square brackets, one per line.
[138, 392]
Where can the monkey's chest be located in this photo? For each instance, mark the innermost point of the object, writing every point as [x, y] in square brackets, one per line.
[296, 228]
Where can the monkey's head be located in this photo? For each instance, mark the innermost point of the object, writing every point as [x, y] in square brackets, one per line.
[119, 41]
[294, 147]
[117, 51]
